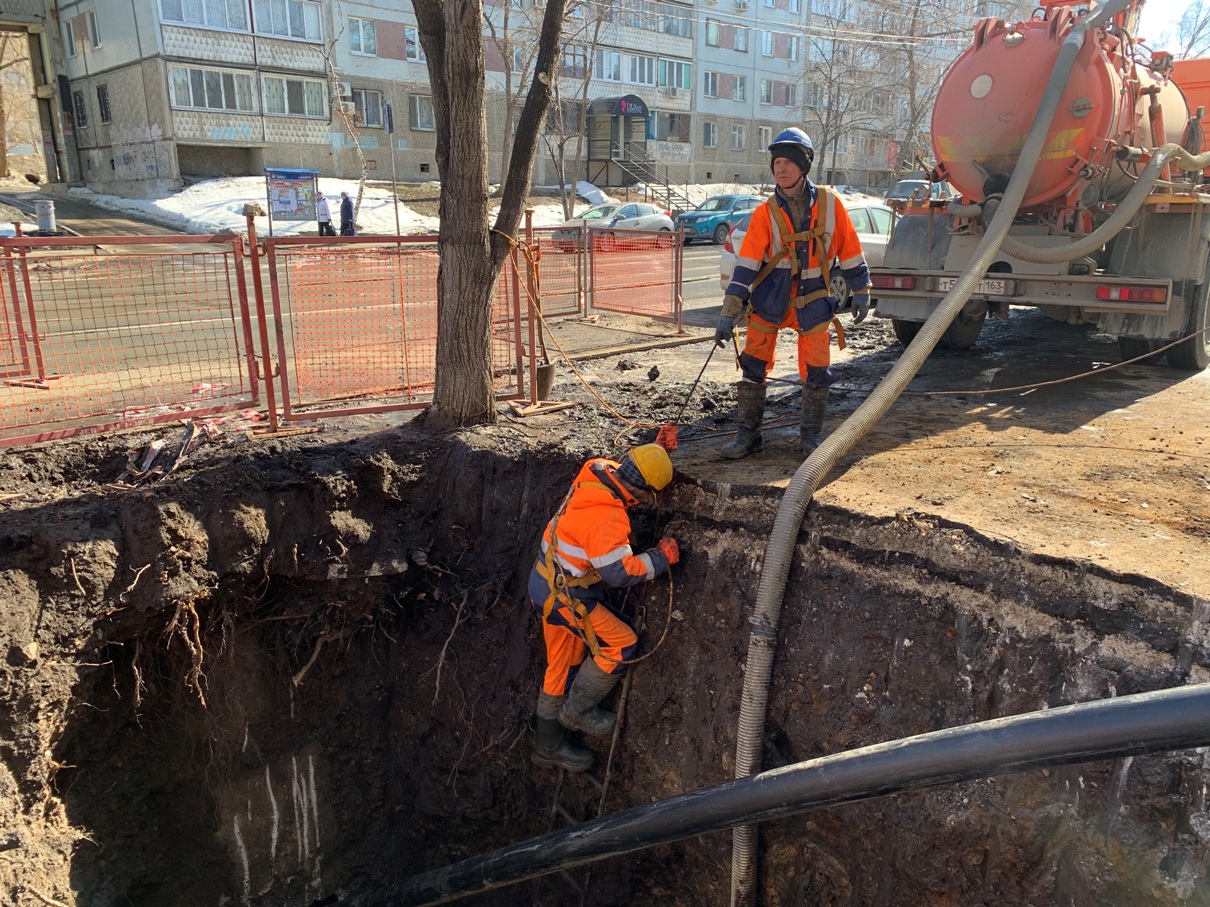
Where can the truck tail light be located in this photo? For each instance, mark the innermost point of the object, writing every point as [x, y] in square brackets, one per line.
[893, 282]
[1132, 294]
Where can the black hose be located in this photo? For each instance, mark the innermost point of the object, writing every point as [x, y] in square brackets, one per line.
[1129, 725]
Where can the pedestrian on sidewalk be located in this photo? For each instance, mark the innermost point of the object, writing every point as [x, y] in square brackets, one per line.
[347, 227]
[323, 214]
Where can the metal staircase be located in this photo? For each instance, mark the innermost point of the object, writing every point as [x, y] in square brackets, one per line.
[658, 179]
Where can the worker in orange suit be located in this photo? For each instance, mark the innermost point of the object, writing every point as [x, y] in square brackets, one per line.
[795, 242]
[585, 556]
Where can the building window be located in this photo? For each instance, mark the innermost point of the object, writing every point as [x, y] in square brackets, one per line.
[231, 15]
[709, 135]
[69, 39]
[420, 113]
[663, 126]
[814, 95]
[712, 32]
[640, 70]
[741, 38]
[791, 95]
[517, 60]
[285, 18]
[364, 36]
[103, 103]
[575, 62]
[796, 6]
[209, 89]
[77, 104]
[765, 135]
[675, 21]
[766, 91]
[737, 138]
[676, 74]
[609, 66]
[772, 4]
[368, 105]
[412, 48]
[766, 43]
[638, 14]
[740, 92]
[794, 51]
[294, 97]
[710, 84]
[94, 30]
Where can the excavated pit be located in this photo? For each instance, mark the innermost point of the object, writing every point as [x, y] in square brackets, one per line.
[301, 675]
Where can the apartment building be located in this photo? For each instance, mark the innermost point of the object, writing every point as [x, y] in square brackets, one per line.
[156, 92]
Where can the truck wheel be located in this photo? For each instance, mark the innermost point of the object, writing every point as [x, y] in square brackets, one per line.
[1194, 353]
[1133, 347]
[905, 331]
[963, 331]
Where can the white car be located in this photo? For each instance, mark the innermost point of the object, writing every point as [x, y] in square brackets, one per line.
[871, 219]
[615, 215]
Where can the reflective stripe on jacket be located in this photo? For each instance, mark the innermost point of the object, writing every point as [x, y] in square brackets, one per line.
[772, 296]
[593, 531]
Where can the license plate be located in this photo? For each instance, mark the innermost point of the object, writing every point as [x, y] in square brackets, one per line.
[987, 287]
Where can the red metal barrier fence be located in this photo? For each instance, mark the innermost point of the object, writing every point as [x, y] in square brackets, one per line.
[94, 340]
[636, 272]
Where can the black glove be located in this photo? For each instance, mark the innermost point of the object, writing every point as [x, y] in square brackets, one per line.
[725, 330]
[861, 307]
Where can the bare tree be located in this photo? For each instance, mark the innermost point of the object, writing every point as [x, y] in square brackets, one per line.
[342, 113]
[1193, 30]
[14, 51]
[472, 254]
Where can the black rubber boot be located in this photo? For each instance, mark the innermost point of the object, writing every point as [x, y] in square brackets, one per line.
[814, 406]
[580, 712]
[750, 412]
[551, 749]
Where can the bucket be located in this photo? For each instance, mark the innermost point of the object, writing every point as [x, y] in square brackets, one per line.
[546, 380]
[45, 211]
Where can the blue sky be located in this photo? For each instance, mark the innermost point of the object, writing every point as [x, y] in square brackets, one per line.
[1160, 16]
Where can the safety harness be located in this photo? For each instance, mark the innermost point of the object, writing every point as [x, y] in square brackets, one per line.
[559, 582]
[816, 237]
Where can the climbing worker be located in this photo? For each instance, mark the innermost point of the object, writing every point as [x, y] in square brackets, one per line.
[783, 274]
[586, 559]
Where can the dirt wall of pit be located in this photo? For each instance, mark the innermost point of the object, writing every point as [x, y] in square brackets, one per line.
[308, 673]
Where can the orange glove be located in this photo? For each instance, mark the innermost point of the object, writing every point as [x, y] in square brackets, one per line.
[669, 548]
[667, 437]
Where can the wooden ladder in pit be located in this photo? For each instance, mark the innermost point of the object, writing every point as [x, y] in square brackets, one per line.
[559, 812]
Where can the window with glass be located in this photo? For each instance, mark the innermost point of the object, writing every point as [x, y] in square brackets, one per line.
[412, 48]
[364, 36]
[420, 113]
[710, 84]
[676, 74]
[796, 6]
[575, 62]
[675, 20]
[295, 97]
[791, 95]
[94, 30]
[709, 135]
[103, 103]
[740, 90]
[77, 106]
[287, 18]
[814, 95]
[764, 135]
[193, 87]
[69, 40]
[640, 70]
[712, 32]
[881, 218]
[368, 105]
[766, 43]
[609, 66]
[642, 14]
[741, 38]
[737, 137]
[766, 91]
[794, 50]
[231, 15]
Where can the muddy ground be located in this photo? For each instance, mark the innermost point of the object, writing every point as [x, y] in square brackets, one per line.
[302, 667]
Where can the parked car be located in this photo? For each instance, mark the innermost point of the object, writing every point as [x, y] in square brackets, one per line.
[617, 216]
[871, 219]
[915, 192]
[714, 218]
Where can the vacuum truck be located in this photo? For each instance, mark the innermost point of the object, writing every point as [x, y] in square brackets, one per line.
[1100, 237]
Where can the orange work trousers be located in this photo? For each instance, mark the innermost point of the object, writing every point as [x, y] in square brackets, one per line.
[760, 347]
[566, 648]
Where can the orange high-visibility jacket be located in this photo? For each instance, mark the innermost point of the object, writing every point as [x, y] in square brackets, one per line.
[593, 534]
[762, 243]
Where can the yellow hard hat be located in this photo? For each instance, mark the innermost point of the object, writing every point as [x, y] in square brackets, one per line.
[647, 467]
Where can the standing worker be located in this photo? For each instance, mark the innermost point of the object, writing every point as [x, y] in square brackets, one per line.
[346, 215]
[323, 214]
[783, 272]
[586, 557]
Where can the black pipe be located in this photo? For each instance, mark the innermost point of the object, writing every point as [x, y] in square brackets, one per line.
[1126, 726]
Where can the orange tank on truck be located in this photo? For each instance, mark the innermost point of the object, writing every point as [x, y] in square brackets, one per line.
[1141, 279]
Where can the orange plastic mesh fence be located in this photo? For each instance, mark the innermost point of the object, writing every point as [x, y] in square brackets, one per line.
[635, 272]
[562, 271]
[359, 322]
[151, 331]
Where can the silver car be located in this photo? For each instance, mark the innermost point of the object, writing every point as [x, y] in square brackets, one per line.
[871, 219]
[615, 215]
